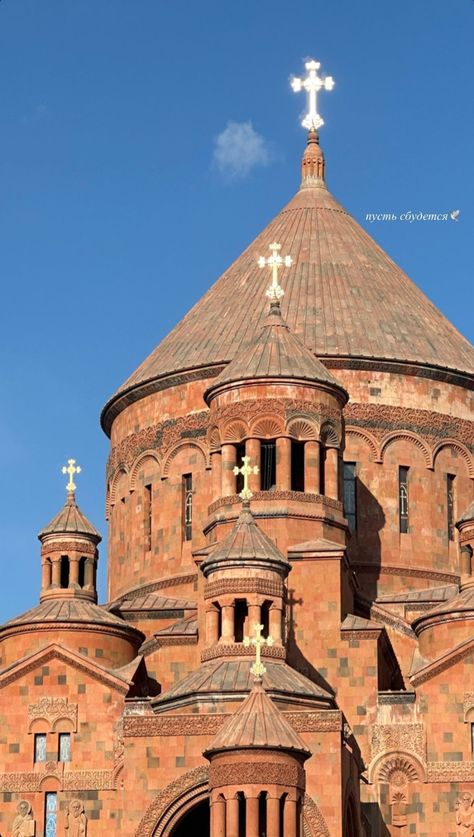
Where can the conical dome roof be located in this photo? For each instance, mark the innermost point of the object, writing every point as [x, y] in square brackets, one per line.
[275, 352]
[245, 543]
[344, 298]
[257, 723]
[70, 521]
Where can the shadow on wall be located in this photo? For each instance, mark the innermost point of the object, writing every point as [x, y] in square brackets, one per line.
[374, 825]
[365, 545]
[298, 659]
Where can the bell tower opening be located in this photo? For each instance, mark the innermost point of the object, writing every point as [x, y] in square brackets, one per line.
[196, 821]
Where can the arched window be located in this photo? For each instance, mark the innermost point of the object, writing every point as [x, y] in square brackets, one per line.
[64, 582]
[297, 465]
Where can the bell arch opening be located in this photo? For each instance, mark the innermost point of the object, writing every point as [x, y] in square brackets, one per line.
[196, 820]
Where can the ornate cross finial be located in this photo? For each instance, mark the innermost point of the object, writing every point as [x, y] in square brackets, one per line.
[312, 84]
[246, 470]
[258, 669]
[71, 468]
[275, 261]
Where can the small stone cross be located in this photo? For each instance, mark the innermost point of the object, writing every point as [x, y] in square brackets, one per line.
[71, 468]
[258, 669]
[275, 261]
[312, 84]
[246, 470]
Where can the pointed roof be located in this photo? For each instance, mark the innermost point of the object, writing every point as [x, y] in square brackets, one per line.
[69, 610]
[70, 521]
[257, 723]
[344, 298]
[245, 543]
[467, 515]
[275, 352]
[461, 603]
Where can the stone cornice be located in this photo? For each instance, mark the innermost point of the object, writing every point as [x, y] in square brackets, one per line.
[138, 726]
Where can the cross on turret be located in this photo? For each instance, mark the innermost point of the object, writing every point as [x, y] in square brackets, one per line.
[312, 84]
[246, 470]
[275, 261]
[71, 468]
[258, 669]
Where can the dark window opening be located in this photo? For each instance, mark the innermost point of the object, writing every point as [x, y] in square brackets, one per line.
[82, 572]
[265, 618]
[466, 559]
[240, 615]
[239, 454]
[40, 747]
[242, 815]
[350, 494]
[262, 813]
[219, 619]
[64, 578]
[472, 738]
[403, 498]
[187, 507]
[268, 465]
[147, 516]
[450, 505]
[297, 466]
[322, 470]
[64, 746]
[282, 812]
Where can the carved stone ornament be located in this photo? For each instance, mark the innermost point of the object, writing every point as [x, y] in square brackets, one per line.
[398, 805]
[76, 820]
[52, 710]
[136, 726]
[409, 738]
[171, 799]
[248, 773]
[23, 824]
[465, 815]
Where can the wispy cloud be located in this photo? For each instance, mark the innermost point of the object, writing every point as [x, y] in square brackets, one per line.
[239, 148]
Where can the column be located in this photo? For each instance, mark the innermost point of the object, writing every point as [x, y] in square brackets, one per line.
[331, 474]
[212, 625]
[228, 462]
[218, 817]
[255, 614]
[275, 623]
[232, 816]
[283, 464]
[290, 814]
[311, 468]
[252, 817]
[89, 574]
[273, 816]
[45, 574]
[228, 634]
[252, 449]
[56, 572]
[73, 571]
[216, 470]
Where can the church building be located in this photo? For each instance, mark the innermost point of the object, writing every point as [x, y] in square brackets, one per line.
[287, 646]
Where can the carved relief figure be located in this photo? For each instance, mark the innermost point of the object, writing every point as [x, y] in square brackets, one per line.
[23, 824]
[76, 820]
[465, 815]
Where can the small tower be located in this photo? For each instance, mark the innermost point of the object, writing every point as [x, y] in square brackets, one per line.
[465, 527]
[257, 776]
[244, 586]
[69, 550]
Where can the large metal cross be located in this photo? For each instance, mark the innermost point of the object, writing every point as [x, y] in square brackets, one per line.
[312, 84]
[258, 669]
[246, 470]
[275, 261]
[71, 468]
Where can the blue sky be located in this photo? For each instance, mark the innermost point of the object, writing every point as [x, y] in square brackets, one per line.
[115, 215]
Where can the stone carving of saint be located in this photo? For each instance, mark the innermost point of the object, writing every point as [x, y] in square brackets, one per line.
[465, 815]
[76, 820]
[23, 824]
